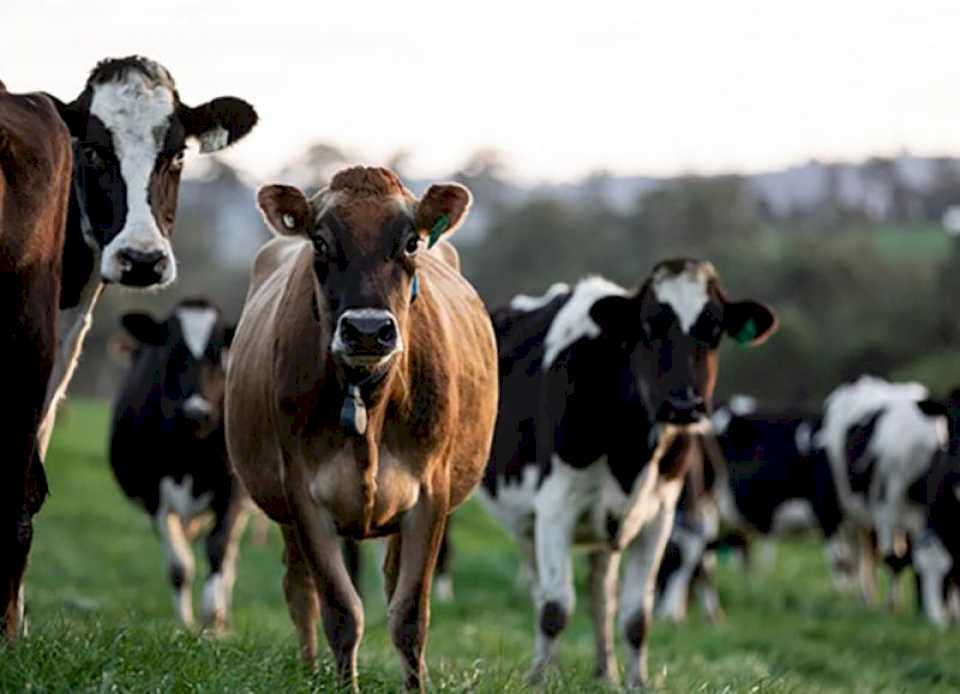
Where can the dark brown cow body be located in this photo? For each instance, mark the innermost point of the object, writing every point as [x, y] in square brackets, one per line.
[318, 307]
[35, 165]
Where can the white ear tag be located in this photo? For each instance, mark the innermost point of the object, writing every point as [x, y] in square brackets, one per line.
[214, 140]
[288, 220]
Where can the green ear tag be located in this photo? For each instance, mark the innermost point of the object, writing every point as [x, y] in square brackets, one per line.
[747, 333]
[443, 221]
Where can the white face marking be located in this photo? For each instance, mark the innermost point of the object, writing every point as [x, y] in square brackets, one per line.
[573, 320]
[685, 293]
[338, 347]
[197, 404]
[137, 112]
[933, 562]
[527, 303]
[197, 325]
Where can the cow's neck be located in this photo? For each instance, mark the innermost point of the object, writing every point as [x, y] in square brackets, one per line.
[80, 289]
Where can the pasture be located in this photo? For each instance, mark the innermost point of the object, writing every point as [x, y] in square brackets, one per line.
[101, 617]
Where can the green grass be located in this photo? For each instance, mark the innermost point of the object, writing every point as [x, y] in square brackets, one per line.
[102, 617]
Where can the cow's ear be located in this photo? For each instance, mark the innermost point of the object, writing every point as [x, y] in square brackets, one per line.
[72, 115]
[285, 209]
[749, 323]
[442, 209]
[617, 317]
[219, 123]
[145, 329]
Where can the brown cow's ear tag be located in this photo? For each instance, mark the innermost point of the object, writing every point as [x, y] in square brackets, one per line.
[353, 414]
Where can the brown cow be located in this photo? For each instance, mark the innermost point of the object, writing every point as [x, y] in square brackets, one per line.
[361, 396]
[35, 165]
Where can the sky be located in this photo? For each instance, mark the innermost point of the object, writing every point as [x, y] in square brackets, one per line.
[653, 87]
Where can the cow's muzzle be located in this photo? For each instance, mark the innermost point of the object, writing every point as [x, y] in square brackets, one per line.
[366, 337]
[682, 407]
[142, 269]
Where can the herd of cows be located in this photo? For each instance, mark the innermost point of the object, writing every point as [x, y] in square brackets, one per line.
[367, 391]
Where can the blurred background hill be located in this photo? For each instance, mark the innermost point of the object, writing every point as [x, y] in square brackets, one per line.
[857, 257]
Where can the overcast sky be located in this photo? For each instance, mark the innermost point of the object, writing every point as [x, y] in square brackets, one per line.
[562, 89]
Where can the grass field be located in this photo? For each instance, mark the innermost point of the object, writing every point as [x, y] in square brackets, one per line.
[102, 619]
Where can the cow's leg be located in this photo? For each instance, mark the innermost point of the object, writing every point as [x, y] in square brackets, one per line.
[604, 571]
[351, 556]
[443, 583]
[639, 580]
[222, 544]
[704, 581]
[527, 571]
[416, 552]
[179, 562]
[866, 567]
[674, 602]
[558, 506]
[300, 591]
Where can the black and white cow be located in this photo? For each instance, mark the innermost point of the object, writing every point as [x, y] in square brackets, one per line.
[168, 451]
[881, 440]
[130, 130]
[772, 479]
[602, 392]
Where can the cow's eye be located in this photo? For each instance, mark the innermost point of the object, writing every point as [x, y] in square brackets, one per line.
[412, 245]
[321, 249]
[92, 157]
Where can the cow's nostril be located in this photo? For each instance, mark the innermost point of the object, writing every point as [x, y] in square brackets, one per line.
[387, 334]
[350, 331]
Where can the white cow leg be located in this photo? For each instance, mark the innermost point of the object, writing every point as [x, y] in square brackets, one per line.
[639, 579]
[676, 595]
[604, 572]
[554, 596]
[706, 588]
[179, 563]
[222, 544]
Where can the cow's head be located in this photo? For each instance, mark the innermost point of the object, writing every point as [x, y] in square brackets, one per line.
[130, 131]
[192, 345]
[367, 232]
[674, 325]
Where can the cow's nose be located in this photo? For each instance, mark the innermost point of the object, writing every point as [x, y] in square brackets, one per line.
[369, 333]
[683, 406]
[197, 409]
[141, 268]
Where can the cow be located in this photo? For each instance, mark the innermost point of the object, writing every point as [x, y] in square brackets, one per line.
[881, 439]
[35, 165]
[168, 451]
[130, 130]
[603, 390]
[361, 396]
[771, 479]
